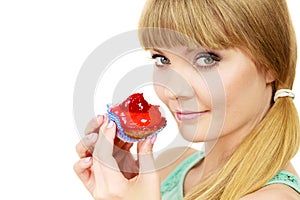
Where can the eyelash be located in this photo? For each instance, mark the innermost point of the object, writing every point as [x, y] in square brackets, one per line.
[215, 58]
[156, 56]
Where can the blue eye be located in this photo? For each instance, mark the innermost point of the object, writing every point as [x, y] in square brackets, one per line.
[160, 60]
[206, 59]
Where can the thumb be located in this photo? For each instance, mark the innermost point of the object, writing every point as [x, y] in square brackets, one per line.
[145, 155]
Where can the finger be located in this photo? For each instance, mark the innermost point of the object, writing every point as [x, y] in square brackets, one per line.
[128, 165]
[145, 155]
[147, 171]
[86, 145]
[82, 169]
[94, 124]
[119, 143]
[106, 138]
[123, 149]
[127, 146]
[104, 146]
[106, 169]
[126, 161]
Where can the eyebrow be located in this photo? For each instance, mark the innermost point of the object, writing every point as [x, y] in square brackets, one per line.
[185, 52]
[157, 50]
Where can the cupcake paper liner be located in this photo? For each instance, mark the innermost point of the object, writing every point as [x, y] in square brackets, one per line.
[120, 132]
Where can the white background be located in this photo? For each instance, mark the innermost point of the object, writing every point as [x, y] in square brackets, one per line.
[42, 47]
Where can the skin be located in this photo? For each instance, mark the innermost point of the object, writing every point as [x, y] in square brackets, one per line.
[99, 169]
[248, 93]
[246, 98]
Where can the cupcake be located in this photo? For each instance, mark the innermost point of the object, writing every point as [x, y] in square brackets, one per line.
[136, 119]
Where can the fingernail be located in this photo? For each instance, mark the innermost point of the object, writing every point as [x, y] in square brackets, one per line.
[104, 117]
[91, 137]
[98, 118]
[110, 124]
[153, 139]
[87, 159]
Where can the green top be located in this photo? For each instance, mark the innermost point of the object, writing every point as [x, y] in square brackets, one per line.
[172, 186]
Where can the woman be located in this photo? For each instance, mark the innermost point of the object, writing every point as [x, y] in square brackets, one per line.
[250, 47]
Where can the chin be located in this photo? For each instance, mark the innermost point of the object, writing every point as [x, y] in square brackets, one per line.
[197, 134]
[193, 133]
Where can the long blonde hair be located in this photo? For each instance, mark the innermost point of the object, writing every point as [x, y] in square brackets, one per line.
[263, 29]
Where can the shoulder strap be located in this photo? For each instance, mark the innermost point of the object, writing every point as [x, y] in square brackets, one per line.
[173, 184]
[284, 177]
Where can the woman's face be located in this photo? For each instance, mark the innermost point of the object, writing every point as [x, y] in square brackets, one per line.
[212, 94]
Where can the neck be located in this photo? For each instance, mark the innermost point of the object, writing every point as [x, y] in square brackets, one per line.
[217, 152]
[216, 155]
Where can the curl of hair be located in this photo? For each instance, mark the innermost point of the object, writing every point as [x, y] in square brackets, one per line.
[263, 29]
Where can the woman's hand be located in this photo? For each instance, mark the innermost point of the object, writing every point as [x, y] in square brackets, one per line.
[101, 173]
[126, 162]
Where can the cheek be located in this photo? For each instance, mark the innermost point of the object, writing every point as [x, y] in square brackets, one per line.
[244, 89]
[245, 92]
[159, 90]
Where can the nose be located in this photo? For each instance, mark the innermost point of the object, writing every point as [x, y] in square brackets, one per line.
[173, 84]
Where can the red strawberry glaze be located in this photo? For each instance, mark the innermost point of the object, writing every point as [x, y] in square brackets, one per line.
[137, 115]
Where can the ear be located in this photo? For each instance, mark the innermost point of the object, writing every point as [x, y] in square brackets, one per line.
[269, 76]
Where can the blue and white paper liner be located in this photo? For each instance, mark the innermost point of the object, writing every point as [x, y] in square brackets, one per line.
[120, 132]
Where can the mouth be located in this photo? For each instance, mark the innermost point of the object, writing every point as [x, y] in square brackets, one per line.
[182, 116]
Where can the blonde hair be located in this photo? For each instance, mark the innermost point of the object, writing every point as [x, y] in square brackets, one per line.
[263, 29]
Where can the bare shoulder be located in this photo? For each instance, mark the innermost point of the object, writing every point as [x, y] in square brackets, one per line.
[274, 192]
[167, 161]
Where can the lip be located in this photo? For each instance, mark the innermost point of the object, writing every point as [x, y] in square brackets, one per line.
[182, 116]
